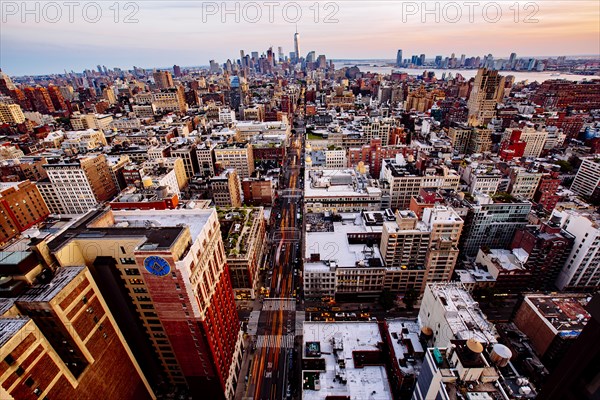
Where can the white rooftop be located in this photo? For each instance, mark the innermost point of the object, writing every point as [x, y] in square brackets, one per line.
[405, 329]
[366, 383]
[465, 318]
[195, 219]
[334, 245]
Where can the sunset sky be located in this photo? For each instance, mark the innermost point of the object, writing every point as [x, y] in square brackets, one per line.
[192, 33]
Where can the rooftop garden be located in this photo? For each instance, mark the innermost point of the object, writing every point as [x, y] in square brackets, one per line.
[236, 224]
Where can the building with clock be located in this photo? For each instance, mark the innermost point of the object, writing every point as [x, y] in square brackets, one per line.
[166, 279]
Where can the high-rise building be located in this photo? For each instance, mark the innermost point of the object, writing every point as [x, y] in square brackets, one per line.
[587, 180]
[244, 236]
[78, 184]
[21, 207]
[296, 45]
[546, 249]
[6, 84]
[58, 100]
[177, 71]
[399, 58]
[59, 340]
[492, 222]
[40, 99]
[450, 313]
[166, 275]
[575, 374]
[416, 251]
[487, 91]
[235, 93]
[470, 140]
[226, 189]
[11, 114]
[238, 156]
[552, 322]
[581, 271]
[163, 79]
[170, 100]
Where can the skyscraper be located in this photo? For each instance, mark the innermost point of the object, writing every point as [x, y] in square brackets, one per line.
[399, 58]
[487, 91]
[165, 275]
[296, 46]
[163, 79]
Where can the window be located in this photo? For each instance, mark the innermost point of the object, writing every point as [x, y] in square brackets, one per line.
[29, 381]
[9, 360]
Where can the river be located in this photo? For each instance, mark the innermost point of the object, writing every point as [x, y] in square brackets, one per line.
[383, 67]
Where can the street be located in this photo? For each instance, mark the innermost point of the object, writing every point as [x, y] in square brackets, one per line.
[272, 345]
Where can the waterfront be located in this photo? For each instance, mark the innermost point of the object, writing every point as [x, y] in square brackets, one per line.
[384, 67]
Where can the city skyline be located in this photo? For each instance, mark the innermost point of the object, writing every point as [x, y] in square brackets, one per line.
[360, 33]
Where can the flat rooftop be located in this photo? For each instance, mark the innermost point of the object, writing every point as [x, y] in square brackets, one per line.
[465, 318]
[160, 228]
[566, 313]
[404, 334]
[349, 338]
[9, 327]
[336, 183]
[335, 245]
[47, 291]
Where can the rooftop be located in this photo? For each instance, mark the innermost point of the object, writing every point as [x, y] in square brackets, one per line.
[565, 312]
[45, 292]
[336, 245]
[351, 354]
[463, 314]
[404, 334]
[10, 327]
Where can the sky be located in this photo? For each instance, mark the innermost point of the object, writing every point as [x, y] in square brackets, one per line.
[41, 37]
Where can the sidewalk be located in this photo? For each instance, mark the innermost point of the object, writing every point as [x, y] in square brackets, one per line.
[246, 360]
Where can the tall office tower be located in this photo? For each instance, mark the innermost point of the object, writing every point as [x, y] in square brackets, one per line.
[235, 93]
[296, 45]
[512, 61]
[11, 114]
[242, 59]
[214, 67]
[587, 180]
[487, 91]
[582, 268]
[310, 57]
[492, 222]
[163, 79]
[462, 60]
[166, 275]
[78, 185]
[280, 54]
[40, 99]
[6, 84]
[177, 71]
[59, 340]
[58, 101]
[399, 58]
[422, 59]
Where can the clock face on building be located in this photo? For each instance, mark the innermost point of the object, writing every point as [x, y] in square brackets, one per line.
[157, 265]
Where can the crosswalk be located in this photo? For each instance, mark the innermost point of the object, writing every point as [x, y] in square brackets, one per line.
[275, 341]
[279, 304]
